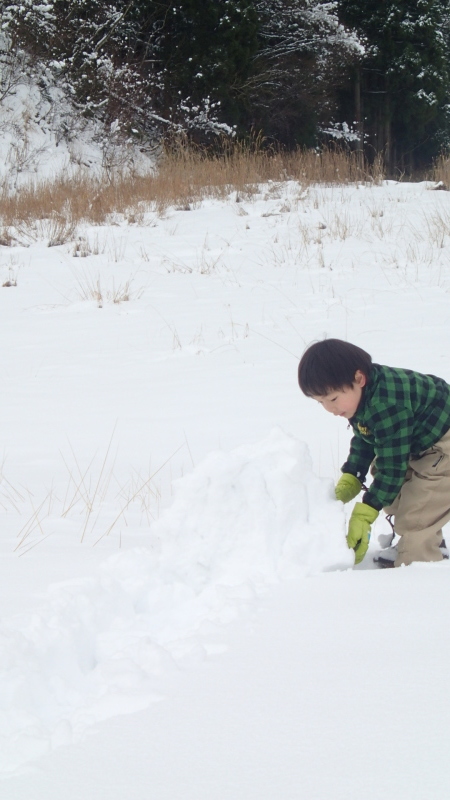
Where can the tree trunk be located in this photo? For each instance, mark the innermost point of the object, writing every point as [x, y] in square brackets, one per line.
[387, 135]
[358, 119]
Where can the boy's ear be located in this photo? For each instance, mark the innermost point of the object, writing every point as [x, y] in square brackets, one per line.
[360, 378]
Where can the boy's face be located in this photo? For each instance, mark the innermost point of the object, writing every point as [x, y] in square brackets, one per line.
[344, 402]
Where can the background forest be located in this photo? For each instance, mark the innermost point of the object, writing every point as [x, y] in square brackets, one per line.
[370, 74]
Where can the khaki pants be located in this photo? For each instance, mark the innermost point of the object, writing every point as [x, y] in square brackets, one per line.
[422, 506]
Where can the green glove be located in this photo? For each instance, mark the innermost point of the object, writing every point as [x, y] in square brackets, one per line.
[358, 536]
[347, 487]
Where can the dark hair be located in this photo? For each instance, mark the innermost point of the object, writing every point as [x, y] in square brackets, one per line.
[331, 365]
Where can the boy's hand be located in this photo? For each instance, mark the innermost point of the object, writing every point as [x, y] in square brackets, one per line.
[347, 487]
[358, 536]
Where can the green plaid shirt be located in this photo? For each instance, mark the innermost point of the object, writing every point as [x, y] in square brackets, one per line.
[401, 413]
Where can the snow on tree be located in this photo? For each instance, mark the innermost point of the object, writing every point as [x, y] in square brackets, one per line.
[303, 48]
[375, 73]
[401, 84]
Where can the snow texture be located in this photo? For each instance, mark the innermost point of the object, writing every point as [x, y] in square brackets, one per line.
[240, 521]
[180, 617]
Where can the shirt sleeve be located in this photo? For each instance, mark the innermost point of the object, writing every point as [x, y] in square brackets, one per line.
[392, 430]
[360, 458]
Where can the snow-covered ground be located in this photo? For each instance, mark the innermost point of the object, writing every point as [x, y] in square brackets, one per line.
[180, 617]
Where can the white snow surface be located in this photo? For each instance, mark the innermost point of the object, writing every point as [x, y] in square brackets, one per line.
[239, 522]
[180, 613]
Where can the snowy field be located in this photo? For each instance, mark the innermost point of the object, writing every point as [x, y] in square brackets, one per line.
[180, 615]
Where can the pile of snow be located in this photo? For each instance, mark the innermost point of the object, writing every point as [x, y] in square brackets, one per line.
[252, 515]
[240, 522]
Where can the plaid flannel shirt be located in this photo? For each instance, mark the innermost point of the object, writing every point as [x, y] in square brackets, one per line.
[401, 414]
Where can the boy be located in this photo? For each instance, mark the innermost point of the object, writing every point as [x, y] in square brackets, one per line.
[401, 425]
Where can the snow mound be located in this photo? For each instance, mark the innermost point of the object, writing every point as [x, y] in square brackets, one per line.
[255, 514]
[240, 522]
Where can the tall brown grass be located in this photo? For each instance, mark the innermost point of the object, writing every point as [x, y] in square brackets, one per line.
[441, 171]
[184, 177]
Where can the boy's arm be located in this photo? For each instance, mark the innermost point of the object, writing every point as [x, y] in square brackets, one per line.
[359, 458]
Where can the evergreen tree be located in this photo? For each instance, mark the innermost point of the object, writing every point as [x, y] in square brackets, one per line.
[401, 85]
[159, 64]
[82, 42]
[202, 52]
[299, 67]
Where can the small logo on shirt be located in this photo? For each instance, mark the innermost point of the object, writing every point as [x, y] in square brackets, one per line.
[362, 429]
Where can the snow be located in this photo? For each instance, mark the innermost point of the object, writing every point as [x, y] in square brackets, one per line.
[96, 644]
[43, 136]
[180, 614]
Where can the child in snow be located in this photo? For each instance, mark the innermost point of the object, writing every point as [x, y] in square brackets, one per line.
[401, 425]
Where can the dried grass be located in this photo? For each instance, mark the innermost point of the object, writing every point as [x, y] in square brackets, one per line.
[183, 179]
[90, 288]
[441, 172]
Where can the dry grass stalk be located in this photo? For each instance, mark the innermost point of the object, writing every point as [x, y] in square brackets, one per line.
[53, 209]
[89, 288]
[441, 171]
[136, 494]
[87, 495]
[33, 522]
